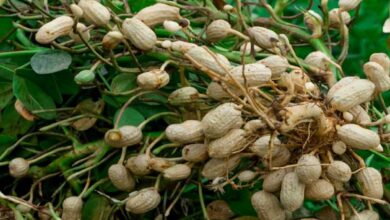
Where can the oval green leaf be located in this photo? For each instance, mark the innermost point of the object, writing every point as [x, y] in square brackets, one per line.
[50, 61]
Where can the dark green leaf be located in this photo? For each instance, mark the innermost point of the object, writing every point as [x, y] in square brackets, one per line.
[12, 123]
[5, 93]
[130, 117]
[50, 61]
[96, 208]
[123, 83]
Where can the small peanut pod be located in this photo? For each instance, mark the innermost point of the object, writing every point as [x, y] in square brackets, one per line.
[208, 61]
[339, 147]
[267, 206]
[71, 208]
[123, 137]
[139, 165]
[319, 190]
[157, 14]
[234, 140]
[121, 178]
[256, 74]
[318, 59]
[246, 48]
[142, 201]
[308, 168]
[218, 30]
[195, 153]
[292, 193]
[219, 210]
[273, 181]
[139, 34]
[360, 116]
[52, 30]
[177, 172]
[183, 96]
[171, 26]
[18, 167]
[280, 159]
[263, 37]
[365, 215]
[219, 121]
[112, 39]
[154, 79]
[84, 31]
[376, 74]
[262, 148]
[217, 92]
[358, 137]
[277, 64]
[254, 125]
[94, 12]
[350, 94]
[347, 5]
[220, 167]
[334, 19]
[339, 171]
[189, 131]
[314, 22]
[160, 164]
[382, 59]
[76, 10]
[370, 181]
[182, 46]
[246, 175]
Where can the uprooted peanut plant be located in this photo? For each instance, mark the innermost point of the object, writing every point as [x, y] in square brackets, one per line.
[183, 100]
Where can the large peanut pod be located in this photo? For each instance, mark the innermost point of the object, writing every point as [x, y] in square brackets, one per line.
[121, 178]
[139, 34]
[262, 148]
[154, 79]
[350, 94]
[177, 172]
[123, 137]
[157, 14]
[142, 201]
[94, 12]
[219, 121]
[370, 181]
[339, 171]
[139, 165]
[183, 96]
[276, 63]
[319, 190]
[308, 168]
[18, 167]
[280, 159]
[216, 167]
[382, 59]
[292, 192]
[195, 153]
[256, 74]
[376, 74]
[189, 131]
[365, 215]
[203, 60]
[263, 37]
[273, 181]
[358, 137]
[71, 208]
[360, 116]
[52, 30]
[226, 145]
[267, 206]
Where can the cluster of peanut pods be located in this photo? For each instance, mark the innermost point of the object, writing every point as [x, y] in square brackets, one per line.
[291, 117]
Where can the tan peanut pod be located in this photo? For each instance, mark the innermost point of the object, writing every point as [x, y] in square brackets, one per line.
[171, 26]
[154, 79]
[376, 74]
[217, 30]
[44, 214]
[292, 192]
[263, 37]
[195, 153]
[94, 12]
[216, 167]
[308, 168]
[226, 145]
[84, 31]
[334, 20]
[318, 59]
[347, 5]
[365, 215]
[280, 159]
[267, 206]
[370, 181]
[247, 47]
[23, 111]
[112, 39]
[382, 59]
[256, 74]
[219, 210]
[341, 83]
[261, 147]
[202, 59]
[348, 117]
[358, 137]
[319, 190]
[360, 116]
[121, 178]
[254, 125]
[123, 137]
[76, 10]
[220, 120]
[184, 95]
[71, 208]
[143, 201]
[217, 92]
[294, 80]
[339, 147]
[246, 175]
[18, 167]
[189, 131]
[273, 181]
[314, 22]
[157, 14]
[139, 34]
[339, 171]
[50, 31]
[177, 172]
[139, 165]
[182, 46]
[305, 112]
[356, 92]
[276, 63]
[159, 164]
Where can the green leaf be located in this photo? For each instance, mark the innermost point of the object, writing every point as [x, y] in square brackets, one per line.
[96, 208]
[5, 93]
[123, 83]
[6, 73]
[12, 123]
[130, 117]
[50, 61]
[33, 97]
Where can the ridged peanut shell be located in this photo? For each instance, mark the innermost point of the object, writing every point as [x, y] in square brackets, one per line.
[182, 46]
[334, 20]
[376, 74]
[261, 147]
[217, 92]
[216, 167]
[226, 145]
[71, 208]
[142, 201]
[365, 215]
[123, 137]
[139, 34]
[360, 116]
[189, 131]
[157, 14]
[318, 59]
[219, 210]
[256, 74]
[347, 5]
[177, 172]
[121, 178]
[358, 137]
[292, 192]
[382, 59]
[246, 48]
[50, 31]
[203, 60]
[184, 95]
[280, 159]
[308, 168]
[18, 167]
[273, 181]
[276, 63]
[339, 147]
[217, 30]
[112, 39]
[94, 12]
[263, 37]
[370, 181]
[154, 79]
[339, 171]
[267, 206]
[159, 164]
[195, 153]
[139, 165]
[319, 190]
[246, 175]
